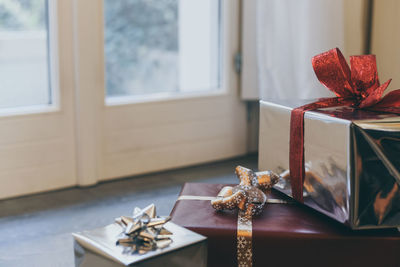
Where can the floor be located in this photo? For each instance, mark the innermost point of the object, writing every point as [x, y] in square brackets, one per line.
[36, 230]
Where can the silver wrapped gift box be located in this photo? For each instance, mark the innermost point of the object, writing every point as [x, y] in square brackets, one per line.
[352, 160]
[98, 248]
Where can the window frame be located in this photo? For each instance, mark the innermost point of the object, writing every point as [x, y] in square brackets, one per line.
[225, 63]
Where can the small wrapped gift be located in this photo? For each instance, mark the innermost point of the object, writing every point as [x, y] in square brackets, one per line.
[341, 155]
[140, 240]
[286, 233]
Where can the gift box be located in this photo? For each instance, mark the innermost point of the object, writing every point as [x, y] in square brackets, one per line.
[351, 158]
[98, 248]
[338, 155]
[286, 234]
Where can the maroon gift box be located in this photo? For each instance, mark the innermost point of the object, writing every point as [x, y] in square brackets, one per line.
[287, 234]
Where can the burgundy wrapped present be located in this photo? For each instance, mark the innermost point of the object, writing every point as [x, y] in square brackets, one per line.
[287, 234]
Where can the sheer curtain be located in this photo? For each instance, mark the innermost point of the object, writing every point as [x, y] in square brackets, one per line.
[279, 39]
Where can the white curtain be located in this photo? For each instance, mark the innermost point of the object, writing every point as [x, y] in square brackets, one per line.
[279, 39]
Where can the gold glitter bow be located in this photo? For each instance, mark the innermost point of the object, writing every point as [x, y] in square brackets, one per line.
[144, 231]
[249, 195]
[250, 199]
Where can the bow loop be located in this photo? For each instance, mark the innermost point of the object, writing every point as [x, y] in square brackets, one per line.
[364, 74]
[332, 71]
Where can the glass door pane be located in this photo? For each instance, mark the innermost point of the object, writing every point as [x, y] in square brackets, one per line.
[24, 53]
[163, 46]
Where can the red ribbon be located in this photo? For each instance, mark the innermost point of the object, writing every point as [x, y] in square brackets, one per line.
[357, 87]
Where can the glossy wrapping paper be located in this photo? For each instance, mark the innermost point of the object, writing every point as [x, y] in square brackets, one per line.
[284, 234]
[351, 156]
[356, 85]
[98, 248]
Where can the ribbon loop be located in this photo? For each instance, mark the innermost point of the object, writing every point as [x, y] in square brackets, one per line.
[364, 74]
[333, 72]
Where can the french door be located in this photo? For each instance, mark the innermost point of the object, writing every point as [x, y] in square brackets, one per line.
[142, 86]
[37, 124]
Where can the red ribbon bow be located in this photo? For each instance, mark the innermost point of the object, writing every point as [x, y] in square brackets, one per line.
[357, 87]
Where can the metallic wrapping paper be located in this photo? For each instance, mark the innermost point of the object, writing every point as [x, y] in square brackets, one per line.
[351, 157]
[98, 248]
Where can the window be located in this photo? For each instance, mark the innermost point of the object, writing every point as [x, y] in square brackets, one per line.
[160, 66]
[24, 53]
[163, 46]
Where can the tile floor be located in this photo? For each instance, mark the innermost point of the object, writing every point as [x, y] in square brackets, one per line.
[36, 230]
